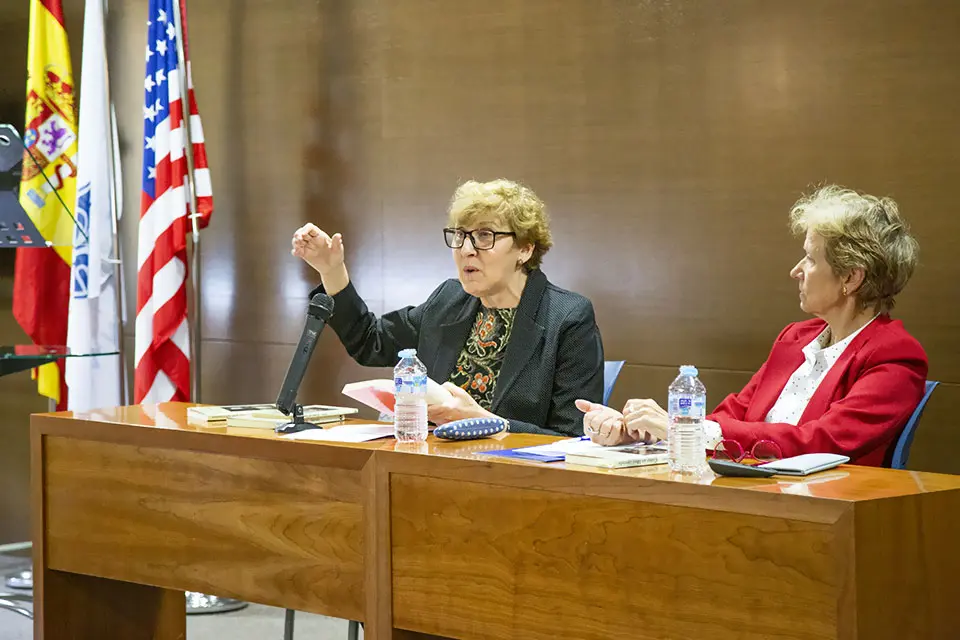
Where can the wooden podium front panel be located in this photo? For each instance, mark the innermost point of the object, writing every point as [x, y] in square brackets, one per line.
[908, 563]
[271, 531]
[476, 560]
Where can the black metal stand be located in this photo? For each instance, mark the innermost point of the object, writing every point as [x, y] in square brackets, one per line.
[297, 424]
[16, 228]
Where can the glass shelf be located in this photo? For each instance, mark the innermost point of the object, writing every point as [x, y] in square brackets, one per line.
[21, 357]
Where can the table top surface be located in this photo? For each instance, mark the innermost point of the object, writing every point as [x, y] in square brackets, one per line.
[845, 483]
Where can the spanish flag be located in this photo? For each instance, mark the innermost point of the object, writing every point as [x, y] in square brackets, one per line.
[41, 292]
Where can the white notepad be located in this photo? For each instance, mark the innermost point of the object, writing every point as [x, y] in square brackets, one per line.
[806, 464]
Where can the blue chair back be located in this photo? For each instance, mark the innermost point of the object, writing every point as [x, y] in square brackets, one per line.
[611, 369]
[902, 451]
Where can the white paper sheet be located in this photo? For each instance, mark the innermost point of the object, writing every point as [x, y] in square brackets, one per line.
[562, 447]
[345, 433]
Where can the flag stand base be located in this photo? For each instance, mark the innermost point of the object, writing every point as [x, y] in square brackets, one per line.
[201, 603]
[20, 580]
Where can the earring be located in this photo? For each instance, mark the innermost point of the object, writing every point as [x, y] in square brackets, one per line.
[844, 289]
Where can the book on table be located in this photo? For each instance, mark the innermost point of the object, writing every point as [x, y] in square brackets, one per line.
[256, 414]
[627, 455]
[211, 414]
[315, 414]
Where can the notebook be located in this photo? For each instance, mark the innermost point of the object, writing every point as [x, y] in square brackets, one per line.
[806, 464]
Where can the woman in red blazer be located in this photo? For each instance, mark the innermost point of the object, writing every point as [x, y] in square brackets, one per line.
[845, 382]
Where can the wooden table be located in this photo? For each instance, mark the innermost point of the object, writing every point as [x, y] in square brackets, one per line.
[133, 506]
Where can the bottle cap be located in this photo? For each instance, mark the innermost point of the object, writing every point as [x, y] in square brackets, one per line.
[408, 353]
[688, 370]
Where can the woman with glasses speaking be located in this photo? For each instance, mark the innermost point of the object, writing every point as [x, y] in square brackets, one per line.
[844, 382]
[505, 340]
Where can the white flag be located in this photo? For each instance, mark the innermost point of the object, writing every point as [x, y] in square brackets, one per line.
[93, 382]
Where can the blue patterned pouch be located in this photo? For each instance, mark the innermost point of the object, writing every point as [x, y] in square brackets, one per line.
[470, 428]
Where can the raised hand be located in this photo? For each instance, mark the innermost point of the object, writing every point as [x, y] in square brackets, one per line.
[324, 254]
[316, 248]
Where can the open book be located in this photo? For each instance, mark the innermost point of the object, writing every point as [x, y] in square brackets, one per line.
[379, 394]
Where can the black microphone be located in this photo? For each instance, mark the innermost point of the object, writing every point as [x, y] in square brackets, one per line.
[320, 310]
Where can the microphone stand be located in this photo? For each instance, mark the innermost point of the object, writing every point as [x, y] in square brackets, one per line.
[319, 311]
[297, 424]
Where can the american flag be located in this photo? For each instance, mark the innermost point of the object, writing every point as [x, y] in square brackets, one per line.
[162, 333]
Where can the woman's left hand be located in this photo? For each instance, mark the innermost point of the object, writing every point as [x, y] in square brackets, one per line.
[460, 406]
[602, 424]
[646, 421]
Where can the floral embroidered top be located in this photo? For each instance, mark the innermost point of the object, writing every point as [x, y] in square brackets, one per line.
[479, 363]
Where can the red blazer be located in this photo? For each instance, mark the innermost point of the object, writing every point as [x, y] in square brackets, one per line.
[860, 407]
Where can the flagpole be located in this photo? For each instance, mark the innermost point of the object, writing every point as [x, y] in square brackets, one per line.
[193, 319]
[116, 211]
[117, 270]
[115, 214]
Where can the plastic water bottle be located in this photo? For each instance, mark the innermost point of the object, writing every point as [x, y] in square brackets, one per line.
[687, 410]
[410, 410]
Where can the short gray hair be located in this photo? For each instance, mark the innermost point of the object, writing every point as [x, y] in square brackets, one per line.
[861, 231]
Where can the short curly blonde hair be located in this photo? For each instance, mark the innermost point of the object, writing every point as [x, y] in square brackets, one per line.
[861, 231]
[509, 203]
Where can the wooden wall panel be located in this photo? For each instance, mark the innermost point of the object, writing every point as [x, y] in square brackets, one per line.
[670, 141]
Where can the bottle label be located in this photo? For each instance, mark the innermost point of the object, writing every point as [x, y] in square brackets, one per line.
[688, 406]
[413, 385]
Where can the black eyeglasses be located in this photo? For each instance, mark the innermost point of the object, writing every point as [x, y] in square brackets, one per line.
[481, 239]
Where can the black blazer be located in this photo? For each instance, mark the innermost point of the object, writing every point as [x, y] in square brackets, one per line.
[554, 356]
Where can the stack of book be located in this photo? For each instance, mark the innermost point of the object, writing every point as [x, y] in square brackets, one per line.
[262, 416]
